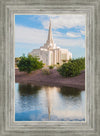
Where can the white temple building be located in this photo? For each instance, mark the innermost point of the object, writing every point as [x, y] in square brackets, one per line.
[50, 54]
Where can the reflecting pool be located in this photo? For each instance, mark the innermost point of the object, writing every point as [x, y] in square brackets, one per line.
[45, 103]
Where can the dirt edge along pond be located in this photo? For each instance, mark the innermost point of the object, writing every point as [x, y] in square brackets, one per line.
[54, 79]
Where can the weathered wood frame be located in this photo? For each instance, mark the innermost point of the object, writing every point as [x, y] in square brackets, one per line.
[8, 8]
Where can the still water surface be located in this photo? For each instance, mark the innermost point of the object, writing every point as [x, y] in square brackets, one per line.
[44, 103]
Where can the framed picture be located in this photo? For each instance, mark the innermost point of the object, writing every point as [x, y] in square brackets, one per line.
[50, 79]
[50, 68]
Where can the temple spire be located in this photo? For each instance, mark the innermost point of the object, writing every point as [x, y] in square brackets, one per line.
[50, 39]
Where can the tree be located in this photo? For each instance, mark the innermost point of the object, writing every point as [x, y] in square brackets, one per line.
[29, 63]
[69, 69]
[72, 68]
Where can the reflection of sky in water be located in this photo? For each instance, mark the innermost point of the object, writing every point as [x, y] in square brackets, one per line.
[43, 103]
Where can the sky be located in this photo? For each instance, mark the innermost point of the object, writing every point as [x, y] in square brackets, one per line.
[31, 32]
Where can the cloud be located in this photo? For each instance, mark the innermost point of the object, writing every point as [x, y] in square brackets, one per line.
[83, 32]
[70, 42]
[29, 35]
[73, 34]
[37, 36]
[68, 21]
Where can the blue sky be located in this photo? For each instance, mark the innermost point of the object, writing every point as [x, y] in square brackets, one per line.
[68, 30]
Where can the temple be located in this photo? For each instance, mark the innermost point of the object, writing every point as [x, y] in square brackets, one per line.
[50, 54]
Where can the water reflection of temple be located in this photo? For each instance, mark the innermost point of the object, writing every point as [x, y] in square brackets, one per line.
[50, 91]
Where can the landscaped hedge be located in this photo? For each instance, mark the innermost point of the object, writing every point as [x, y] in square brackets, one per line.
[80, 62]
[72, 68]
[29, 63]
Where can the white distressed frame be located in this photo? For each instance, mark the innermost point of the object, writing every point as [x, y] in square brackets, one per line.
[8, 8]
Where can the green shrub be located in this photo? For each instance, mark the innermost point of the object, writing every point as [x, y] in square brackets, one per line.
[51, 67]
[29, 63]
[69, 69]
[72, 68]
[80, 62]
[57, 63]
[46, 71]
